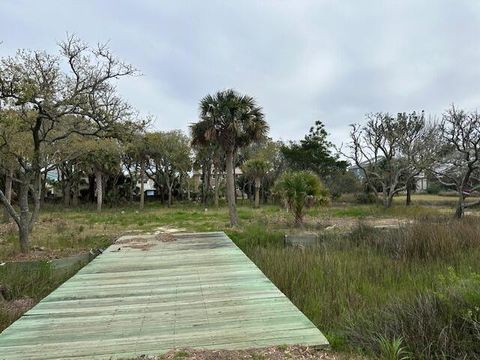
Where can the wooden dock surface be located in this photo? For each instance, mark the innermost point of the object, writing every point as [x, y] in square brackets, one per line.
[146, 295]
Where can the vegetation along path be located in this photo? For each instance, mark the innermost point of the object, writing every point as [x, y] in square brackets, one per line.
[152, 293]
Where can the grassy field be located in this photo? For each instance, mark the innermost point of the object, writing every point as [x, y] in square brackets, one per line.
[411, 279]
[62, 231]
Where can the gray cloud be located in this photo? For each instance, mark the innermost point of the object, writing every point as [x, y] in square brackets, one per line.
[302, 60]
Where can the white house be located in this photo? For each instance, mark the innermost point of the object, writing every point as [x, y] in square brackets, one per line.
[421, 180]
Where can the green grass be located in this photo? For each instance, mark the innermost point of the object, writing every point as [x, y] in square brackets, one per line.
[439, 324]
[339, 284]
[27, 285]
[353, 277]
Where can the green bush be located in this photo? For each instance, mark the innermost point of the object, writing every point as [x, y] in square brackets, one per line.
[434, 188]
[300, 189]
[342, 183]
[365, 198]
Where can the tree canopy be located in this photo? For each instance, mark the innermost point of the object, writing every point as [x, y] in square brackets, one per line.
[54, 97]
[314, 153]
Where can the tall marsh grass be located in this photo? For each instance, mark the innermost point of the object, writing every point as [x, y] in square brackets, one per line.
[365, 290]
[355, 287]
[23, 286]
[427, 239]
[440, 324]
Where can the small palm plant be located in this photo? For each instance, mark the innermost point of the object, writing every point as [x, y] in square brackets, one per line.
[392, 349]
[296, 188]
[256, 169]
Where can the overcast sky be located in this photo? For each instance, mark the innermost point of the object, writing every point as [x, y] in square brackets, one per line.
[303, 61]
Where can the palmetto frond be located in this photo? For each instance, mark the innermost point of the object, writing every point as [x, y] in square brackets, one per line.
[256, 168]
[230, 120]
[198, 132]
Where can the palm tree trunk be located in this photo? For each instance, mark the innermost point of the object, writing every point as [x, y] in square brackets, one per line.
[298, 213]
[203, 179]
[99, 189]
[142, 184]
[208, 183]
[232, 209]
[217, 183]
[257, 192]
[170, 195]
[8, 194]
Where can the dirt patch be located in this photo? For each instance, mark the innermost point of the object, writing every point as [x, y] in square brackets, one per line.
[141, 246]
[17, 307]
[168, 229]
[165, 237]
[141, 243]
[13, 309]
[348, 224]
[272, 353]
[145, 243]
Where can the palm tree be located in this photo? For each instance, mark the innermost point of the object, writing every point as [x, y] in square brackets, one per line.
[256, 169]
[296, 188]
[232, 121]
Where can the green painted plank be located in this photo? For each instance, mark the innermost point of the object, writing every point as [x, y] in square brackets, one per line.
[198, 291]
[150, 344]
[207, 325]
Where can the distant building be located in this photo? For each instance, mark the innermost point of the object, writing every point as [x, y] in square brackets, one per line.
[421, 181]
[357, 171]
[148, 184]
[197, 179]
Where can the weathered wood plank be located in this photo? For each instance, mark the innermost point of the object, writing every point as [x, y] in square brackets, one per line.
[198, 291]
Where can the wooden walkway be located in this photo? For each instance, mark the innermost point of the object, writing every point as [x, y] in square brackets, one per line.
[146, 296]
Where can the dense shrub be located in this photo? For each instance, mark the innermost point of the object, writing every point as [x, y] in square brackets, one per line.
[300, 189]
[342, 183]
[443, 324]
[365, 198]
[434, 188]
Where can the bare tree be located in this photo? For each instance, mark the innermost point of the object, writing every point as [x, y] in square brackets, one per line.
[459, 164]
[391, 151]
[419, 147]
[42, 89]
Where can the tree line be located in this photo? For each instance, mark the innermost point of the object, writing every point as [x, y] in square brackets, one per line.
[62, 114]
[391, 151]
